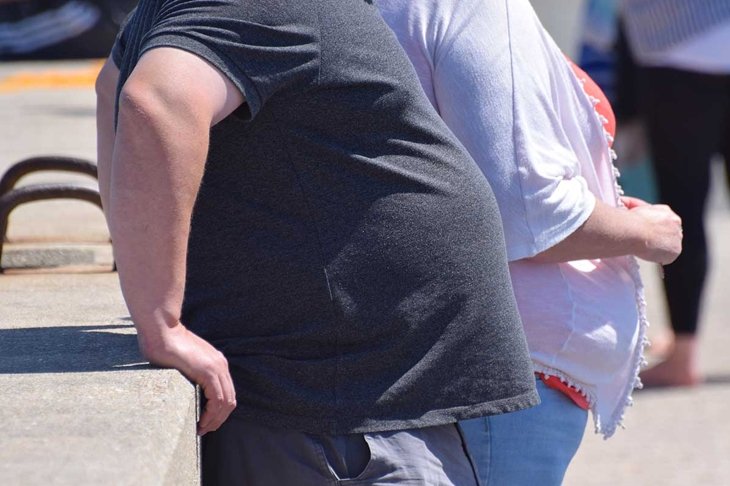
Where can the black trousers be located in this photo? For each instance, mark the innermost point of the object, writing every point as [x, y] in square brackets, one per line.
[688, 122]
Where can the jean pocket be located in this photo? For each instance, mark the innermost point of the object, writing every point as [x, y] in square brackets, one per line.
[347, 456]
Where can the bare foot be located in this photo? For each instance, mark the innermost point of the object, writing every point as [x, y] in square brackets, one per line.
[661, 347]
[679, 369]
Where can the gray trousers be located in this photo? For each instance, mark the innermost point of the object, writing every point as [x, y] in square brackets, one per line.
[241, 453]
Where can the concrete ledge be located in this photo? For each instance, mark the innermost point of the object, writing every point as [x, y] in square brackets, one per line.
[51, 255]
[80, 405]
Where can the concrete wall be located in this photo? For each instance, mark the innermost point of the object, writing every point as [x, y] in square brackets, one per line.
[79, 405]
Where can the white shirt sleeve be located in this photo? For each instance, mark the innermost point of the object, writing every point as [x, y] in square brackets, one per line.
[509, 105]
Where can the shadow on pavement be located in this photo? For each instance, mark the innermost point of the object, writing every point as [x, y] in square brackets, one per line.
[70, 349]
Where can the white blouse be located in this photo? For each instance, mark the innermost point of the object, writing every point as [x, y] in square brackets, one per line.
[506, 91]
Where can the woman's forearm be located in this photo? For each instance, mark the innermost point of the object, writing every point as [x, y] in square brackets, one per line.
[650, 232]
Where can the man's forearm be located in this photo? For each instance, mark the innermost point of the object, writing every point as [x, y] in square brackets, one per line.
[106, 85]
[157, 167]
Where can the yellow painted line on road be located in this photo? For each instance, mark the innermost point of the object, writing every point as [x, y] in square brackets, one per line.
[54, 79]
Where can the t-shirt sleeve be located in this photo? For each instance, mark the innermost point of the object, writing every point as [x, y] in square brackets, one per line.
[510, 124]
[120, 43]
[261, 51]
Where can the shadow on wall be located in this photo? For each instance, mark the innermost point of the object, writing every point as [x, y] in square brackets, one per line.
[71, 349]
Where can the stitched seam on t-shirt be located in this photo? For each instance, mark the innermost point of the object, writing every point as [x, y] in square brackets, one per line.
[316, 225]
[320, 248]
[515, 128]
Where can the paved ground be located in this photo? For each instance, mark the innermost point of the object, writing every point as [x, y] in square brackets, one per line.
[673, 437]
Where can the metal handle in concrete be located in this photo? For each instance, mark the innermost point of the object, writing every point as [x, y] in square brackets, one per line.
[43, 163]
[39, 192]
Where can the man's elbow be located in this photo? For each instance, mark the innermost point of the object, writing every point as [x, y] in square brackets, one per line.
[142, 107]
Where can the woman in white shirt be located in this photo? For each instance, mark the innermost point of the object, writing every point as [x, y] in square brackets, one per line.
[508, 93]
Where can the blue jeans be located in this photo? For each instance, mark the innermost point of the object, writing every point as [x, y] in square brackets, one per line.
[528, 447]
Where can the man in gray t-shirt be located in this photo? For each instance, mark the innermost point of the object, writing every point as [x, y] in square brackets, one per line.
[275, 180]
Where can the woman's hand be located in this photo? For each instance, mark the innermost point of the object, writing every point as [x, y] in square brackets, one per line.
[662, 230]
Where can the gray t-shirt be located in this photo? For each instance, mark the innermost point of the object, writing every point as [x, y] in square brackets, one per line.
[346, 253]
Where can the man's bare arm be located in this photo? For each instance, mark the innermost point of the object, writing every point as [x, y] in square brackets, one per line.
[166, 109]
[652, 232]
[106, 87]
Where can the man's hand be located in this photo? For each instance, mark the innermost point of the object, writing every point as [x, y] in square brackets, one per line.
[201, 363]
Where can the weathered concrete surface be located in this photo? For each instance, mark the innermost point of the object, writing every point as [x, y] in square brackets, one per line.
[81, 405]
[49, 255]
[46, 257]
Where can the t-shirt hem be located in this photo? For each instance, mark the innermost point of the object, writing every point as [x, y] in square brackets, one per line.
[351, 425]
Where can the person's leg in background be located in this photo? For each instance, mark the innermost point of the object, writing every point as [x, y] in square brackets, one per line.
[529, 447]
[726, 137]
[684, 113]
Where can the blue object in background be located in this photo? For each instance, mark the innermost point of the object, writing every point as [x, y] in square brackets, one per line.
[599, 58]
[638, 180]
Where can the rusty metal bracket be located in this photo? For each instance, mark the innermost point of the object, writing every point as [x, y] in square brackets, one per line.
[37, 164]
[11, 197]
